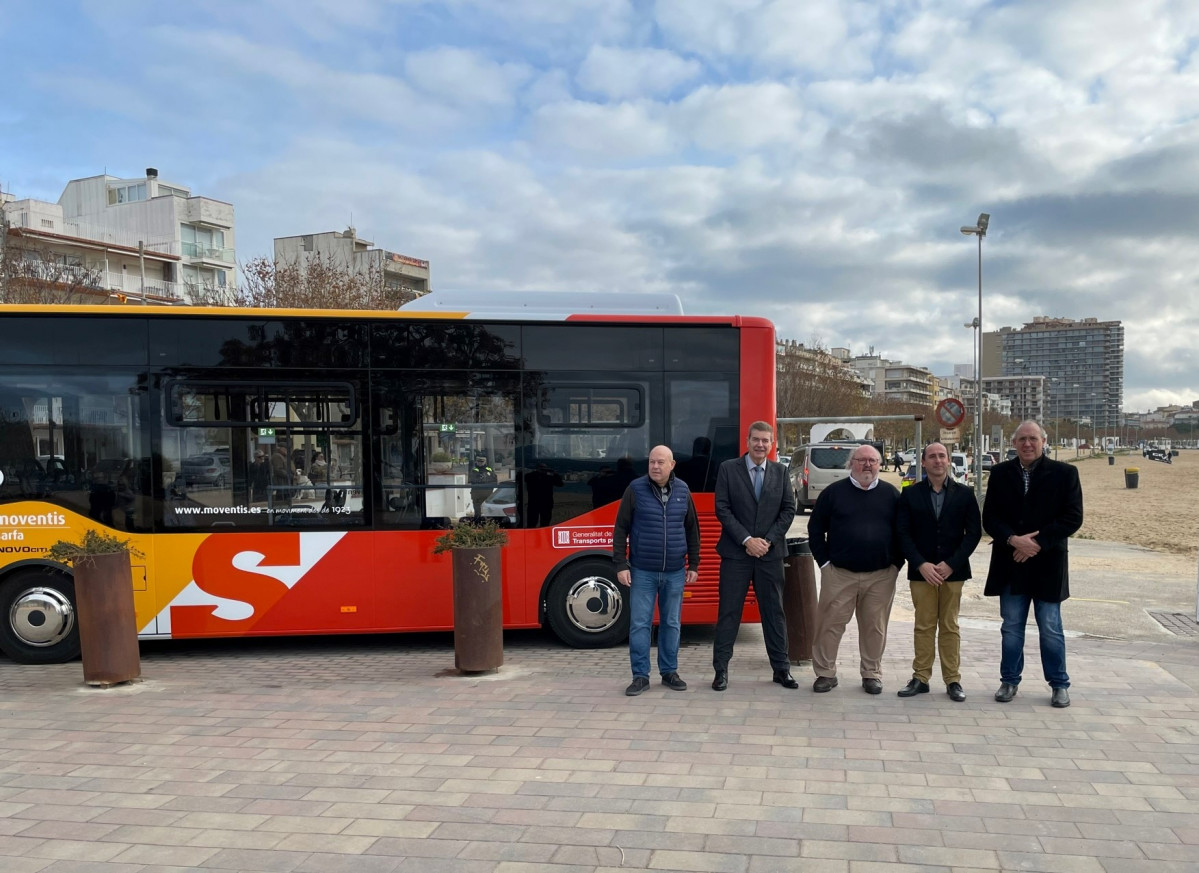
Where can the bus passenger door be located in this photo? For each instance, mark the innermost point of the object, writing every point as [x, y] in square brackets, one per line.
[445, 450]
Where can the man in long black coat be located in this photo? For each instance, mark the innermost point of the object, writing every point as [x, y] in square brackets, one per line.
[1033, 506]
[939, 528]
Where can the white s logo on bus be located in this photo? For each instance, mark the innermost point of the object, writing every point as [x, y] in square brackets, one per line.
[312, 548]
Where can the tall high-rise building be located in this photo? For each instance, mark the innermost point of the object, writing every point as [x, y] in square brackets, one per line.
[1082, 362]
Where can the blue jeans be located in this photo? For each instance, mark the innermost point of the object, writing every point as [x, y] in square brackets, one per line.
[667, 589]
[1013, 608]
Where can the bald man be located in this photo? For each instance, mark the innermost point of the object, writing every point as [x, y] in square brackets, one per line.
[655, 545]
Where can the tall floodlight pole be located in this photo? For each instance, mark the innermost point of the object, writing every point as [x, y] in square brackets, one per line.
[979, 230]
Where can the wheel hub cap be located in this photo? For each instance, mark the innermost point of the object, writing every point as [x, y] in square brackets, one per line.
[594, 605]
[42, 617]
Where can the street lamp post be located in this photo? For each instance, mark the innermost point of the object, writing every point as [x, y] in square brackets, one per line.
[979, 230]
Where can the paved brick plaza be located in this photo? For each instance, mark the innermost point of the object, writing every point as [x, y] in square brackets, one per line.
[370, 755]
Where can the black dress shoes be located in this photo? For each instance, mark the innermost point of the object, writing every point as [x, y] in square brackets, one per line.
[824, 683]
[913, 688]
[1005, 693]
[874, 686]
[720, 681]
[1061, 698]
[784, 678]
[955, 692]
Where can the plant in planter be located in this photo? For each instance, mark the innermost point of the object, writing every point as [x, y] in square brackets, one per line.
[470, 533]
[440, 462]
[104, 602]
[478, 593]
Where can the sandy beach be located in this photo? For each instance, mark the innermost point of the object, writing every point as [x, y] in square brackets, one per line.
[1158, 514]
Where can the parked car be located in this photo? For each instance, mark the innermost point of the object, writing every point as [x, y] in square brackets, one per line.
[209, 469]
[988, 461]
[22, 478]
[500, 504]
[913, 473]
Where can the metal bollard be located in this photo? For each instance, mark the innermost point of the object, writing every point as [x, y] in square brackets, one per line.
[799, 600]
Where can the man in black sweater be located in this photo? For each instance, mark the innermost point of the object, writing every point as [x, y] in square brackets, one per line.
[852, 533]
[939, 527]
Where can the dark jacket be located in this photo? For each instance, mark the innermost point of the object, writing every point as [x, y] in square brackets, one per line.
[854, 528]
[952, 537]
[656, 535]
[742, 516]
[1052, 506]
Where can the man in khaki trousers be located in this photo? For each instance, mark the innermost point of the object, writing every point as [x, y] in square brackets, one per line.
[939, 527]
[852, 533]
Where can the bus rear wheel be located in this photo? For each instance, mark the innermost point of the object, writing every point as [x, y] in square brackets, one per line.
[586, 607]
[39, 624]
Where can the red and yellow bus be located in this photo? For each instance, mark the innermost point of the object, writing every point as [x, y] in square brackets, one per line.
[286, 472]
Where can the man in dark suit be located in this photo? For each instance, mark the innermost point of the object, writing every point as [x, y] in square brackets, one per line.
[939, 527]
[1033, 506]
[755, 506]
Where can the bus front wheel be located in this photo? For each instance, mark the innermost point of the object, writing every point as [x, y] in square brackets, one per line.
[586, 607]
[38, 609]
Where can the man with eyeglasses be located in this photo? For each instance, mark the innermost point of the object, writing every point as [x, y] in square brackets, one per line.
[852, 536]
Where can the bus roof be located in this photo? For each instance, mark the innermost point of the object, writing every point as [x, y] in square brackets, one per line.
[548, 305]
[620, 308]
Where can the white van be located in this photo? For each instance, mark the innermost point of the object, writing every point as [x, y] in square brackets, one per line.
[959, 466]
[816, 466]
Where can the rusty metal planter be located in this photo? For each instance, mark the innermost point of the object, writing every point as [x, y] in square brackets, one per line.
[478, 610]
[107, 621]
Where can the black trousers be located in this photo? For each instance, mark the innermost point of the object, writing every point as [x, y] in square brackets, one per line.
[766, 574]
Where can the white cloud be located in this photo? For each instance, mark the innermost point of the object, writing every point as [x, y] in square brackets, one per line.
[617, 132]
[823, 37]
[465, 78]
[620, 73]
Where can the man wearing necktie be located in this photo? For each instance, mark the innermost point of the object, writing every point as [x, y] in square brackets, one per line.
[755, 507]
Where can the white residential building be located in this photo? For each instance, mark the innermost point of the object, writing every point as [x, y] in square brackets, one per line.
[140, 237]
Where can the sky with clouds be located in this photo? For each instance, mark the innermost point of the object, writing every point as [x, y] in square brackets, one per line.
[810, 161]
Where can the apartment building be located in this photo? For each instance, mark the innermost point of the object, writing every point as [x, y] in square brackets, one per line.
[396, 272]
[1024, 394]
[894, 380]
[1082, 362]
[130, 239]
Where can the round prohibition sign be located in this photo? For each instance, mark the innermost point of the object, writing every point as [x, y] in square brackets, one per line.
[950, 412]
